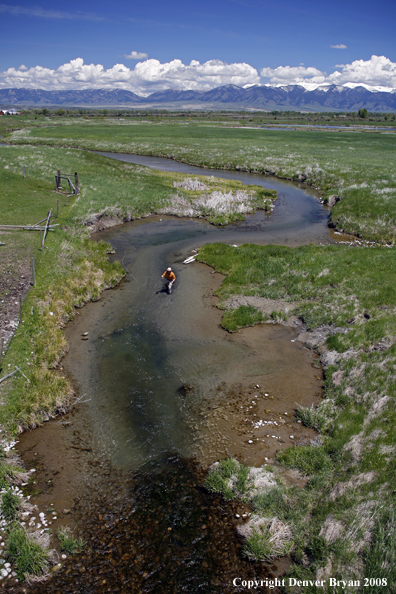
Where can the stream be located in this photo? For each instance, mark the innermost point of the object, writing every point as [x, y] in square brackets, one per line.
[164, 392]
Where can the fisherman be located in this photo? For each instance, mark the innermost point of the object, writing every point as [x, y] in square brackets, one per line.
[170, 277]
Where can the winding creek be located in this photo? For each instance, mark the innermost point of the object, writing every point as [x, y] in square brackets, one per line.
[163, 393]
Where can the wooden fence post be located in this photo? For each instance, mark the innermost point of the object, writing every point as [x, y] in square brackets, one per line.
[46, 227]
[33, 273]
[59, 181]
[76, 180]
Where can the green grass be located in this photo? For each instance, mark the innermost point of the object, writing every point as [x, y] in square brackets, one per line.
[28, 555]
[68, 543]
[307, 459]
[244, 315]
[10, 505]
[218, 479]
[318, 418]
[360, 167]
[351, 476]
[123, 191]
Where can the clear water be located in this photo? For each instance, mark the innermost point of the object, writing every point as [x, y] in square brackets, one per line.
[144, 344]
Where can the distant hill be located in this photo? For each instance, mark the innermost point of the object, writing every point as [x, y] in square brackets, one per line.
[93, 97]
[292, 97]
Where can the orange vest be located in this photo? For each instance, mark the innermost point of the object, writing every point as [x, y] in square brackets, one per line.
[169, 275]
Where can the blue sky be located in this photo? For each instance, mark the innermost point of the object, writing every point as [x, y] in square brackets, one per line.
[279, 42]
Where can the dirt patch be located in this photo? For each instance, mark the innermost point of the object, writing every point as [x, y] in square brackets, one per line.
[252, 420]
[60, 454]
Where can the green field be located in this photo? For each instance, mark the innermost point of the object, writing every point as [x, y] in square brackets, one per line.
[359, 167]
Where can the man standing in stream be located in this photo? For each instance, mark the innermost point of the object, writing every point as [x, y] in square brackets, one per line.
[170, 278]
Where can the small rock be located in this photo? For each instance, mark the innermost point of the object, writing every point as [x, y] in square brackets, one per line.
[291, 436]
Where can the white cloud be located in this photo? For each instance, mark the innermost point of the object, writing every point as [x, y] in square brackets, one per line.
[293, 75]
[146, 77]
[151, 75]
[339, 46]
[135, 56]
[376, 72]
[37, 11]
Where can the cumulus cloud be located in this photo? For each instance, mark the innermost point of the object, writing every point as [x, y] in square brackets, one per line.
[151, 75]
[376, 72]
[146, 77]
[293, 75]
[135, 56]
[339, 46]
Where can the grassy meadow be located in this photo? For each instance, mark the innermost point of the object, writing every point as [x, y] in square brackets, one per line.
[359, 167]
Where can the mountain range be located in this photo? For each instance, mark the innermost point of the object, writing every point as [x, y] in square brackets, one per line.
[290, 97]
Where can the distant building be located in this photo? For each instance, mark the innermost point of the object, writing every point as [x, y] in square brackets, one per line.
[9, 112]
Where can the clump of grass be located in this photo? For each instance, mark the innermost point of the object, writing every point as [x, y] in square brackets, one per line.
[279, 316]
[318, 417]
[244, 315]
[309, 460]
[10, 505]
[68, 543]
[30, 558]
[271, 503]
[266, 538]
[7, 474]
[228, 477]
